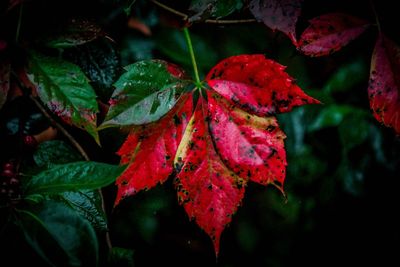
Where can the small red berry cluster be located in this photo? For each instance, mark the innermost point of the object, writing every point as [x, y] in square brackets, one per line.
[9, 182]
[10, 185]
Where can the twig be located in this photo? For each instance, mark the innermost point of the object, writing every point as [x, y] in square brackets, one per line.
[229, 21]
[60, 128]
[211, 21]
[170, 9]
[378, 24]
[21, 7]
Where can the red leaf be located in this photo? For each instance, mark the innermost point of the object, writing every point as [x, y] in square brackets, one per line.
[220, 146]
[154, 146]
[257, 85]
[329, 33]
[249, 145]
[384, 83]
[279, 15]
[208, 190]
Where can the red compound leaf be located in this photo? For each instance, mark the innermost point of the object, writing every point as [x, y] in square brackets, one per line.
[329, 33]
[384, 82]
[229, 139]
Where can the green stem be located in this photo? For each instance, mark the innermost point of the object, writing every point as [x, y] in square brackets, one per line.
[378, 24]
[19, 22]
[192, 57]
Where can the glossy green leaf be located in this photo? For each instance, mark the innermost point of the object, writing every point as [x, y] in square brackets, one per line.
[87, 203]
[72, 177]
[59, 235]
[100, 62]
[347, 76]
[75, 32]
[212, 8]
[66, 91]
[145, 93]
[54, 152]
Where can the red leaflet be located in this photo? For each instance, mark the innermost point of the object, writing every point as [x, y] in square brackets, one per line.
[208, 190]
[384, 82]
[257, 85]
[150, 150]
[279, 15]
[249, 145]
[329, 33]
[215, 150]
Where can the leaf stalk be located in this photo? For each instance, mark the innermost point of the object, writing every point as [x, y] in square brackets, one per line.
[193, 58]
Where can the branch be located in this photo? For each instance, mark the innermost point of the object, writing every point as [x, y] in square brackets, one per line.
[229, 21]
[211, 21]
[378, 24]
[170, 9]
[60, 128]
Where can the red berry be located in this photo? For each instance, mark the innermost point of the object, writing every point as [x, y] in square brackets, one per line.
[8, 166]
[14, 181]
[8, 173]
[30, 141]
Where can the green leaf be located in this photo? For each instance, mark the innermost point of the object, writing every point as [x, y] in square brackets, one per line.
[59, 235]
[146, 92]
[54, 152]
[350, 135]
[100, 63]
[212, 8]
[66, 91]
[73, 176]
[333, 115]
[347, 76]
[121, 257]
[75, 32]
[88, 204]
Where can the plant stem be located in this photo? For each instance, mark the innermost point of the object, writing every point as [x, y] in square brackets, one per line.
[378, 24]
[21, 6]
[59, 127]
[185, 17]
[229, 21]
[192, 57]
[170, 9]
